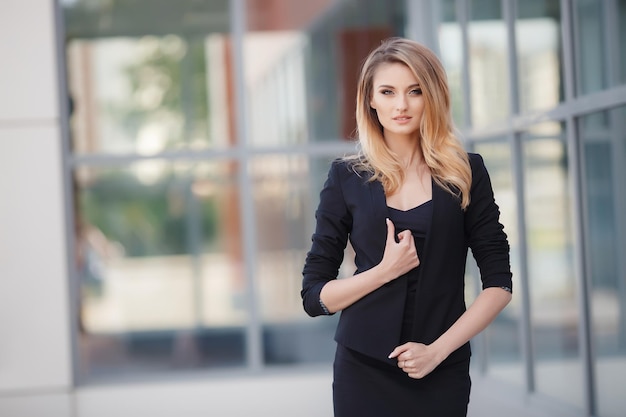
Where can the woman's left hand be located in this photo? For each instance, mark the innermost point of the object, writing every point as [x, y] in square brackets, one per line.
[416, 359]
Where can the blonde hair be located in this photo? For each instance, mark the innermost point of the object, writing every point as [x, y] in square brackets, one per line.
[441, 149]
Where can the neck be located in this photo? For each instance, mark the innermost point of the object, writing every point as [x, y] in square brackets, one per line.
[407, 148]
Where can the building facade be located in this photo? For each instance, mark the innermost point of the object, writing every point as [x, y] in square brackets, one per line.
[162, 163]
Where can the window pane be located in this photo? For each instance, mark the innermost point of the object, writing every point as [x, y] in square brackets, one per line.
[141, 84]
[451, 50]
[591, 55]
[554, 308]
[505, 357]
[538, 33]
[159, 260]
[286, 194]
[489, 74]
[302, 60]
[604, 143]
[618, 45]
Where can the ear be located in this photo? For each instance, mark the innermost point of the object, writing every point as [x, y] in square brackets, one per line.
[372, 104]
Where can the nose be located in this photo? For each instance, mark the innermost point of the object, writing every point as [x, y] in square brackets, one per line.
[401, 102]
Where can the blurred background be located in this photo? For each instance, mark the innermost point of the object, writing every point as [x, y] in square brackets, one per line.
[161, 162]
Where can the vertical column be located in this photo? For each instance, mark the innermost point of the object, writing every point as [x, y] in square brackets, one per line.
[576, 179]
[509, 9]
[421, 22]
[254, 346]
[35, 354]
[463, 15]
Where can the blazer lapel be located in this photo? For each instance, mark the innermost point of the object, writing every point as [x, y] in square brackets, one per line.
[439, 195]
[379, 201]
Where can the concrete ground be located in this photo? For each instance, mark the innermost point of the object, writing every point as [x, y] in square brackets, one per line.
[306, 393]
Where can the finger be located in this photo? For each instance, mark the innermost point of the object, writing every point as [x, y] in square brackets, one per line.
[398, 351]
[405, 234]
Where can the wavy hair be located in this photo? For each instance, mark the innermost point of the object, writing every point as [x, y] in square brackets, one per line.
[441, 149]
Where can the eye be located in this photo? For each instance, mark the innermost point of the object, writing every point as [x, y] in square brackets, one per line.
[386, 92]
[416, 91]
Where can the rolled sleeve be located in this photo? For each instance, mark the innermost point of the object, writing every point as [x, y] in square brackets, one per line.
[333, 223]
[485, 233]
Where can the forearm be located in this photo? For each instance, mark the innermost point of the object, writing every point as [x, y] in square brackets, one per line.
[341, 293]
[489, 303]
[398, 258]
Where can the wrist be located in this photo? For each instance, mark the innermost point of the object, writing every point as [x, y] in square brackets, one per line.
[382, 273]
[441, 350]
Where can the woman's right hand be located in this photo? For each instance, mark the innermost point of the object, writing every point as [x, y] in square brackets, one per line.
[401, 256]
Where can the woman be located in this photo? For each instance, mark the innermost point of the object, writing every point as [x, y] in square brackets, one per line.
[411, 203]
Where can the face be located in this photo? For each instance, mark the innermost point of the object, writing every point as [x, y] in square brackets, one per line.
[397, 99]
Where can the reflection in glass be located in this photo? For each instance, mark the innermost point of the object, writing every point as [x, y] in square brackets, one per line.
[144, 94]
[618, 46]
[555, 311]
[604, 144]
[537, 32]
[451, 50]
[489, 75]
[276, 84]
[591, 54]
[505, 357]
[286, 190]
[159, 262]
[301, 64]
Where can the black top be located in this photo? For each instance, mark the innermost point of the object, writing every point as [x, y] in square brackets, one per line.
[417, 220]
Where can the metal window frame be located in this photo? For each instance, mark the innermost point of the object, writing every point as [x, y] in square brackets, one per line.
[510, 12]
[254, 344]
[569, 31]
[68, 197]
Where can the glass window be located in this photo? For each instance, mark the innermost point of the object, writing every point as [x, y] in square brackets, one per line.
[604, 152]
[286, 190]
[618, 46]
[590, 58]
[158, 212]
[159, 256]
[159, 260]
[302, 64]
[538, 37]
[555, 312]
[451, 50]
[139, 85]
[503, 343]
[489, 73]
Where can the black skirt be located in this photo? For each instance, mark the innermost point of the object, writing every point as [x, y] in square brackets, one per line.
[367, 387]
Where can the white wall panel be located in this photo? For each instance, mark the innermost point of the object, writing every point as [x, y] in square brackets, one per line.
[28, 76]
[34, 323]
[38, 405]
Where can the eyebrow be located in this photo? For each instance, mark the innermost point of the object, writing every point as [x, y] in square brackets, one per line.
[392, 87]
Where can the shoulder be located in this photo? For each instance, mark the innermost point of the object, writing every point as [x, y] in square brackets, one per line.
[347, 169]
[481, 182]
[340, 164]
[476, 160]
[477, 164]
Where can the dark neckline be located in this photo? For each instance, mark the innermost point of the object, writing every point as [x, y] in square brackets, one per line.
[411, 209]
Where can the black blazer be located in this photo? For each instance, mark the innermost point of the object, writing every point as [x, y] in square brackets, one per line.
[351, 207]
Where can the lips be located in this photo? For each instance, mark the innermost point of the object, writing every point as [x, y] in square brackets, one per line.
[402, 119]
